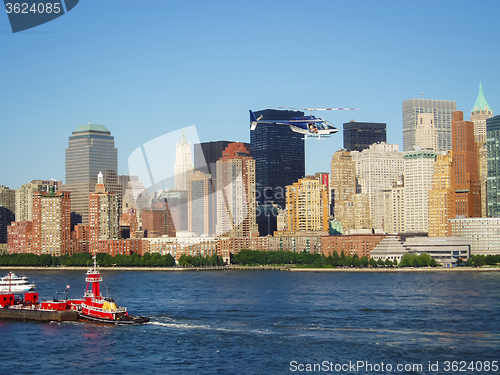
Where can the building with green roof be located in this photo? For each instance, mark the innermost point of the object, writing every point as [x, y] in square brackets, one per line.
[91, 128]
[478, 115]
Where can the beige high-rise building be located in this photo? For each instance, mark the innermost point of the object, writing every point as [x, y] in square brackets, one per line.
[376, 168]
[362, 217]
[200, 205]
[103, 214]
[236, 203]
[183, 167]
[307, 205]
[439, 196]
[343, 185]
[24, 197]
[418, 171]
[394, 208]
[478, 115]
[425, 133]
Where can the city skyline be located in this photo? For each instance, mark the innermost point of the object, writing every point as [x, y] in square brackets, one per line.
[142, 77]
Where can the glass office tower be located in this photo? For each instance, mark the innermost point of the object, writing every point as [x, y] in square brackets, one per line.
[493, 161]
[91, 149]
[279, 155]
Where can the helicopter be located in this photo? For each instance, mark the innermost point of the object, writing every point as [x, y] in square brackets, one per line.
[311, 126]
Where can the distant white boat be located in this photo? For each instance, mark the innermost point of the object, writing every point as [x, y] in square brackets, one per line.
[15, 284]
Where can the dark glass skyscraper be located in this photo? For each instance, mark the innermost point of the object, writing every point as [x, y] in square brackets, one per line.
[358, 136]
[279, 155]
[493, 161]
[91, 149]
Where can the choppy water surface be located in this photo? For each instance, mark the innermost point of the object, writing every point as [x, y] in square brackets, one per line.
[266, 322]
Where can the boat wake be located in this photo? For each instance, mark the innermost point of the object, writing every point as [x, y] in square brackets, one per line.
[193, 326]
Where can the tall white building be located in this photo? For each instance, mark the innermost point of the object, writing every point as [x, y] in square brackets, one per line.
[418, 171]
[394, 208]
[183, 167]
[425, 134]
[442, 111]
[376, 168]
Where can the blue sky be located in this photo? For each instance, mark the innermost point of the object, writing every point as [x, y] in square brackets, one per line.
[147, 68]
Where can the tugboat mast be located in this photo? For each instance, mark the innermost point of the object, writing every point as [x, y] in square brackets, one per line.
[93, 279]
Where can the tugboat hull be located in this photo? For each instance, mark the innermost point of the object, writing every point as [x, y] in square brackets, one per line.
[128, 319]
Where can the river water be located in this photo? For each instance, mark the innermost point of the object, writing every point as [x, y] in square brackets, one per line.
[268, 322]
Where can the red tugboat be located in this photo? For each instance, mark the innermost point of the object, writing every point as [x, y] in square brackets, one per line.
[97, 308]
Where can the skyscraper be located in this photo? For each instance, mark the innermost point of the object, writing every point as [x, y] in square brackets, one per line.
[465, 195]
[478, 115]
[200, 204]
[7, 210]
[279, 155]
[394, 208]
[51, 223]
[343, 186]
[307, 205]
[207, 154]
[439, 196]
[442, 110]
[236, 205]
[378, 167]
[493, 146]
[425, 133]
[90, 150]
[103, 214]
[24, 197]
[418, 171]
[358, 136]
[183, 167]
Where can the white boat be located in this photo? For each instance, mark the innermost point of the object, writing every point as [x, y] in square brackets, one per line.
[15, 284]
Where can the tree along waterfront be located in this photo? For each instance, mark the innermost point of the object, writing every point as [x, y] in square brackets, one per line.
[85, 259]
[106, 260]
[244, 258]
[256, 257]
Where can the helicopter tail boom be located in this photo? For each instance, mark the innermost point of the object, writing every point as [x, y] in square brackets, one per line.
[253, 120]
